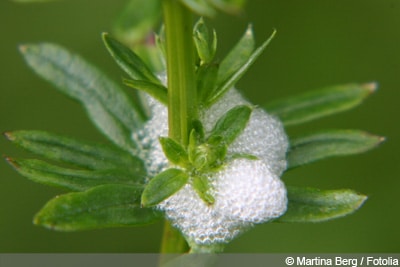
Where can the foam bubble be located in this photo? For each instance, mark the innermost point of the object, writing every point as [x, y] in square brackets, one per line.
[246, 191]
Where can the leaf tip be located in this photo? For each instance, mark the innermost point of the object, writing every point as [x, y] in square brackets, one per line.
[104, 35]
[12, 162]
[378, 139]
[144, 202]
[36, 220]
[249, 30]
[371, 87]
[361, 200]
[23, 48]
[40, 220]
[274, 31]
[9, 136]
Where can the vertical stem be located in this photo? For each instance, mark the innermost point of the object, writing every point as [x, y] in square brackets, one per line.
[182, 101]
[182, 106]
[172, 242]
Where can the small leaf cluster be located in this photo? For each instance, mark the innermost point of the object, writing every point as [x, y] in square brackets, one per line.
[198, 161]
[213, 77]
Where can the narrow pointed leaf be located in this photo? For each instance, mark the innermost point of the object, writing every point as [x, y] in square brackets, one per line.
[157, 91]
[198, 130]
[201, 7]
[174, 152]
[100, 207]
[128, 61]
[205, 44]
[203, 189]
[194, 140]
[206, 80]
[243, 156]
[75, 152]
[107, 105]
[152, 56]
[160, 43]
[114, 129]
[237, 57]
[327, 144]
[137, 20]
[72, 179]
[320, 103]
[228, 83]
[232, 123]
[163, 186]
[314, 205]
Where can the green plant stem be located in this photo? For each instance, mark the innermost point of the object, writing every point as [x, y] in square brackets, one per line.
[172, 241]
[182, 101]
[182, 106]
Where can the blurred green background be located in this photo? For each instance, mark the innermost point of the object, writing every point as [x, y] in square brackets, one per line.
[319, 43]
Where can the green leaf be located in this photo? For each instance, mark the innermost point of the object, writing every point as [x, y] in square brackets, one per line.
[107, 105]
[206, 80]
[174, 152]
[72, 179]
[160, 43]
[314, 205]
[201, 7]
[331, 143]
[229, 6]
[128, 61]
[78, 153]
[100, 207]
[203, 187]
[137, 20]
[229, 82]
[163, 186]
[206, 46]
[232, 123]
[152, 57]
[198, 130]
[243, 156]
[157, 91]
[209, 155]
[237, 57]
[320, 103]
[194, 140]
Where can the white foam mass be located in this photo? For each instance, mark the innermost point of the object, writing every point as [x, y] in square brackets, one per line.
[246, 191]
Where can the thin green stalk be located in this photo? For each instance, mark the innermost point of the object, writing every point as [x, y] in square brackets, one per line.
[172, 242]
[182, 101]
[182, 106]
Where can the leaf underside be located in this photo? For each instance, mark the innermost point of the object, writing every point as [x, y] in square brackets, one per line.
[105, 102]
[100, 207]
[82, 154]
[314, 205]
[327, 144]
[73, 179]
[319, 103]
